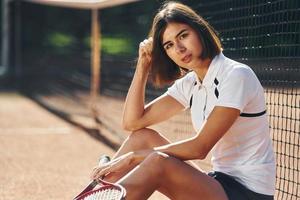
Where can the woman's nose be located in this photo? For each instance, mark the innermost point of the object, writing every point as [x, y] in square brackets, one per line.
[179, 48]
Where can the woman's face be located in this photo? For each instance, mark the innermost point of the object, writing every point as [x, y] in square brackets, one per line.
[182, 44]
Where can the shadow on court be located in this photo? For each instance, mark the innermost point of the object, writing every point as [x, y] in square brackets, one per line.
[42, 155]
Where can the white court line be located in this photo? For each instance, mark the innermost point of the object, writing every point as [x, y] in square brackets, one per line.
[40, 131]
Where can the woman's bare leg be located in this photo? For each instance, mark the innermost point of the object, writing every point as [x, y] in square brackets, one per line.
[172, 177]
[138, 140]
[142, 139]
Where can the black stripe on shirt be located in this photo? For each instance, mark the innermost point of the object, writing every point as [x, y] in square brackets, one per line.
[253, 114]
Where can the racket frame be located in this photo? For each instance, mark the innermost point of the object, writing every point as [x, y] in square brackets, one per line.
[104, 185]
[89, 189]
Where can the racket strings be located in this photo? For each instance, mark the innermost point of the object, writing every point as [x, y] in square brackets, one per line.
[107, 194]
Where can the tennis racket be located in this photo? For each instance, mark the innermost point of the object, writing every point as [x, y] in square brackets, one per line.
[104, 190]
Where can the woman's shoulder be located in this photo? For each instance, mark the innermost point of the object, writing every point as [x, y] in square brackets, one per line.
[187, 79]
[237, 69]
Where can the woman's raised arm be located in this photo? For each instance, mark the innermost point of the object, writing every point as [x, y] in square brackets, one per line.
[136, 115]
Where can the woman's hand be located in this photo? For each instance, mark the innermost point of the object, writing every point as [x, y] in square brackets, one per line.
[145, 51]
[118, 165]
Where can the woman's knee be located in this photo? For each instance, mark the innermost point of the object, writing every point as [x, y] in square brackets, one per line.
[155, 162]
[146, 138]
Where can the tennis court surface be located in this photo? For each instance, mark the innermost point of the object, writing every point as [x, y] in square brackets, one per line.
[41, 155]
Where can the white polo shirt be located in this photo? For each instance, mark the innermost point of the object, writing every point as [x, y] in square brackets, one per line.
[245, 151]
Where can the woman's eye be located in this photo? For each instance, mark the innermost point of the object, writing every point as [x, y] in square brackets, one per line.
[168, 46]
[182, 36]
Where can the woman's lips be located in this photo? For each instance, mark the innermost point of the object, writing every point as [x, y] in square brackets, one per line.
[187, 58]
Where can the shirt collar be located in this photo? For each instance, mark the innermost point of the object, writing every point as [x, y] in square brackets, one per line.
[212, 71]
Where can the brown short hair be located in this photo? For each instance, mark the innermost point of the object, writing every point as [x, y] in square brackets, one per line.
[164, 70]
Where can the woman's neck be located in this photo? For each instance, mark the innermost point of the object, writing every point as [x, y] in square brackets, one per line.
[202, 68]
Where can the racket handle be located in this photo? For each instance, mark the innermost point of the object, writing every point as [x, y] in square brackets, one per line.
[103, 159]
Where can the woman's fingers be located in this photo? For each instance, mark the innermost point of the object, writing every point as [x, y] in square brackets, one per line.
[94, 173]
[97, 171]
[146, 46]
[116, 165]
[145, 51]
[101, 173]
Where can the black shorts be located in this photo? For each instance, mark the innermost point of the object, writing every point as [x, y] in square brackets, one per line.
[236, 190]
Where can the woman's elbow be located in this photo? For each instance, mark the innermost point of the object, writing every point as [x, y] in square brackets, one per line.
[126, 126]
[129, 126]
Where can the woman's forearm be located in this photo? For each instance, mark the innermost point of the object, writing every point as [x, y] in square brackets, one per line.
[198, 146]
[183, 150]
[135, 100]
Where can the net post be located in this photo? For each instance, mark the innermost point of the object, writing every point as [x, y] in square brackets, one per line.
[95, 61]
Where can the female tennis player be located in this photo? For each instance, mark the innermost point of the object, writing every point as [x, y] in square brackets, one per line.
[228, 112]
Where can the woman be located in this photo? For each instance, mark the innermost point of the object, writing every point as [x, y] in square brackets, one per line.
[227, 109]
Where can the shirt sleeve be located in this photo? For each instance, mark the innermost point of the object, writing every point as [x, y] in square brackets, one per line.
[238, 88]
[181, 90]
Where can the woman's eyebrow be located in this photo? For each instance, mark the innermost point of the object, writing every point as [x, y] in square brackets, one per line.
[179, 33]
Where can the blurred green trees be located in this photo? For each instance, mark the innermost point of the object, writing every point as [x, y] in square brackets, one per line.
[65, 31]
